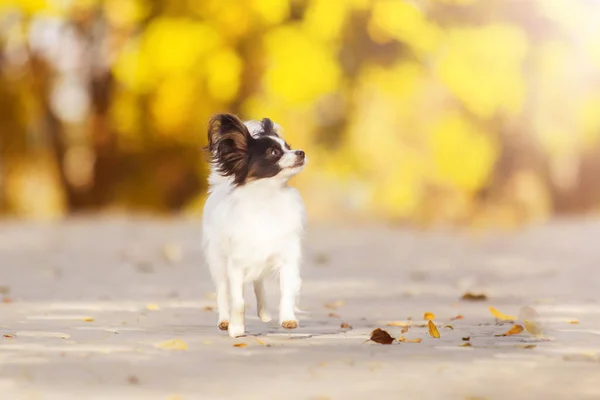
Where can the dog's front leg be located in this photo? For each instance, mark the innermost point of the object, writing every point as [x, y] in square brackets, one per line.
[236, 290]
[290, 282]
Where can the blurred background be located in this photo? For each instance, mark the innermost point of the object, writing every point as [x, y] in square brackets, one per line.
[480, 113]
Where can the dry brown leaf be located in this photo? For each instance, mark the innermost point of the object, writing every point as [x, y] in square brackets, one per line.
[448, 326]
[515, 330]
[7, 336]
[433, 330]
[345, 325]
[4, 290]
[502, 317]
[428, 316]
[333, 315]
[466, 338]
[397, 323]
[6, 300]
[208, 308]
[334, 305]
[473, 297]
[405, 340]
[382, 337]
[172, 344]
[457, 317]
[404, 330]
[240, 345]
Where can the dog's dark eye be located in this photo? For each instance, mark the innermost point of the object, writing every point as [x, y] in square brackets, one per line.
[274, 152]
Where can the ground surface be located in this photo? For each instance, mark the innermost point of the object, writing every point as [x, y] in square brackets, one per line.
[87, 301]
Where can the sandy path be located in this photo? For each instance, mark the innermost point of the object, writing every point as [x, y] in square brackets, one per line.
[91, 298]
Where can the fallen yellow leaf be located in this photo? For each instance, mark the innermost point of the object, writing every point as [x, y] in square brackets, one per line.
[457, 317]
[260, 342]
[152, 307]
[448, 326]
[574, 322]
[88, 319]
[515, 330]
[500, 316]
[335, 304]
[433, 331]
[240, 345]
[172, 344]
[173, 252]
[404, 330]
[428, 316]
[397, 323]
[405, 340]
[467, 344]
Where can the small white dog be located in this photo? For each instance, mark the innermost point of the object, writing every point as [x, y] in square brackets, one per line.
[253, 221]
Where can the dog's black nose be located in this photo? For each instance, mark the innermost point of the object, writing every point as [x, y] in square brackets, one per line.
[300, 154]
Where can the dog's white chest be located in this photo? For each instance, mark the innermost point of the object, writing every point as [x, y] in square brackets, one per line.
[255, 226]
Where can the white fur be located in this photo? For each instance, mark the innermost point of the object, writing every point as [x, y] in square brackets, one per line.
[250, 232]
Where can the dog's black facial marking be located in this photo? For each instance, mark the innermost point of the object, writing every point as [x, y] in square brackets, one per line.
[264, 154]
[268, 128]
[235, 152]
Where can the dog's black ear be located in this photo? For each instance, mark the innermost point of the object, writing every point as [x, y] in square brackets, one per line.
[228, 140]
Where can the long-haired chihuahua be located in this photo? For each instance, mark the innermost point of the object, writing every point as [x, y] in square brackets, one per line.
[253, 221]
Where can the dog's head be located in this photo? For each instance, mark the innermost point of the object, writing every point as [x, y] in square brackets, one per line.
[263, 154]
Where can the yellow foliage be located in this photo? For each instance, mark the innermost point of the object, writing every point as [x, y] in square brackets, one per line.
[131, 68]
[377, 115]
[126, 117]
[126, 12]
[325, 19]
[463, 155]
[173, 104]
[232, 18]
[28, 182]
[405, 22]
[299, 69]
[176, 45]
[223, 70]
[589, 121]
[457, 2]
[272, 12]
[483, 68]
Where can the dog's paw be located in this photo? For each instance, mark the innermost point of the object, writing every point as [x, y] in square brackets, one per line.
[223, 325]
[290, 324]
[264, 316]
[236, 330]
